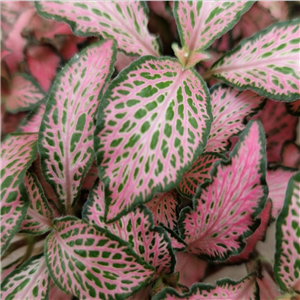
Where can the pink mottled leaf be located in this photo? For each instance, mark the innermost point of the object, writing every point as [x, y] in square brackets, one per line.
[245, 289]
[163, 208]
[278, 9]
[39, 214]
[198, 174]
[123, 61]
[291, 155]
[177, 243]
[29, 281]
[226, 208]
[92, 263]
[266, 63]
[201, 22]
[124, 21]
[66, 132]
[160, 116]
[149, 242]
[230, 109]
[294, 108]
[287, 261]
[17, 153]
[23, 94]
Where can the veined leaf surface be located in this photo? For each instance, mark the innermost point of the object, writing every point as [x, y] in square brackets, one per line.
[29, 281]
[226, 208]
[230, 109]
[39, 214]
[33, 120]
[92, 263]
[267, 63]
[149, 242]
[125, 21]
[17, 153]
[201, 22]
[65, 137]
[24, 93]
[287, 261]
[160, 116]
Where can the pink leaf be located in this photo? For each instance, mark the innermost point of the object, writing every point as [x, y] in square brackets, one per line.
[55, 293]
[177, 243]
[39, 214]
[266, 63]
[66, 132]
[29, 281]
[163, 208]
[230, 109]
[287, 262]
[149, 242]
[123, 61]
[17, 153]
[278, 9]
[23, 95]
[160, 116]
[124, 21]
[92, 263]
[294, 108]
[226, 208]
[291, 155]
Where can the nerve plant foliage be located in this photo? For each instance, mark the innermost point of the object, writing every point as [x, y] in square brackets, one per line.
[185, 177]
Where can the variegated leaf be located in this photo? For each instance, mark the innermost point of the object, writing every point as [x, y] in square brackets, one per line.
[266, 63]
[226, 208]
[149, 242]
[24, 93]
[66, 132]
[163, 208]
[39, 214]
[230, 109]
[125, 21]
[160, 116]
[198, 174]
[291, 155]
[278, 9]
[287, 256]
[29, 281]
[92, 263]
[17, 153]
[201, 22]
[176, 241]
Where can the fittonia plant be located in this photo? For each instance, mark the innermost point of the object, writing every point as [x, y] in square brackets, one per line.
[186, 182]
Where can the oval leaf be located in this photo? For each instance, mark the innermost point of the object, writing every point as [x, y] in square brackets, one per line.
[17, 153]
[125, 21]
[226, 208]
[92, 263]
[65, 137]
[160, 116]
[266, 63]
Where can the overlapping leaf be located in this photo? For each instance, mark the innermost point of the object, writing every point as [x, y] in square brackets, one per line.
[149, 242]
[266, 63]
[278, 9]
[65, 137]
[227, 207]
[291, 155]
[160, 116]
[17, 153]
[294, 108]
[201, 22]
[230, 109]
[287, 261]
[29, 281]
[125, 21]
[33, 120]
[92, 263]
[39, 214]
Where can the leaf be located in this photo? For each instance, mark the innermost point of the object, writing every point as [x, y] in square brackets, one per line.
[126, 22]
[230, 109]
[65, 137]
[55, 293]
[149, 242]
[200, 23]
[92, 263]
[245, 289]
[291, 155]
[24, 93]
[287, 262]
[278, 9]
[226, 208]
[266, 63]
[163, 208]
[17, 153]
[39, 214]
[90, 177]
[160, 116]
[29, 281]
[198, 174]
[293, 108]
